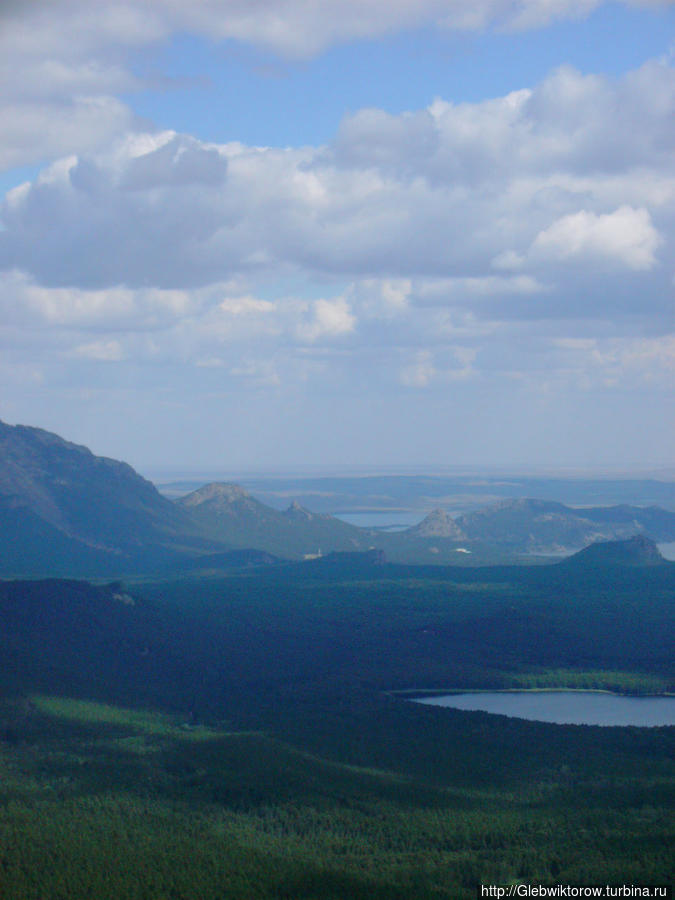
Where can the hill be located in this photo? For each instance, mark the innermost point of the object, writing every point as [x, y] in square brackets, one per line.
[227, 512]
[63, 509]
[543, 526]
[635, 551]
[438, 523]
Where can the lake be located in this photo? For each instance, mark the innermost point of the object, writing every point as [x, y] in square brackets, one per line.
[565, 707]
[386, 519]
[667, 550]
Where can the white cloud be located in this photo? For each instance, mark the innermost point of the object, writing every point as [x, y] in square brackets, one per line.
[246, 306]
[115, 308]
[328, 319]
[296, 28]
[33, 132]
[74, 57]
[625, 237]
[654, 355]
[499, 186]
[458, 239]
[382, 299]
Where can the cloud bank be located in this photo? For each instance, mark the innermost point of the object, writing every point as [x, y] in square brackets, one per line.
[502, 206]
[527, 240]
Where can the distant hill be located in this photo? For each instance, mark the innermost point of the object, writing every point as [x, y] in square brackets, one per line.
[543, 526]
[65, 511]
[438, 523]
[635, 551]
[228, 513]
[510, 530]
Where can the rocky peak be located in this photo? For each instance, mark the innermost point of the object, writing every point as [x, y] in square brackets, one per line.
[438, 523]
[217, 493]
[296, 511]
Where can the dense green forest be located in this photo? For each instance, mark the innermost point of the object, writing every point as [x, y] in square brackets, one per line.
[239, 736]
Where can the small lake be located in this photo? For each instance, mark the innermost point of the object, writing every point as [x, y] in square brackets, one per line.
[667, 550]
[565, 707]
[386, 519]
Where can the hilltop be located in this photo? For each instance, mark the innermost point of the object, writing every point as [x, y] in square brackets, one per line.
[635, 551]
[227, 512]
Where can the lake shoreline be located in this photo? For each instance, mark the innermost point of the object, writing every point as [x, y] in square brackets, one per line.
[420, 693]
[580, 706]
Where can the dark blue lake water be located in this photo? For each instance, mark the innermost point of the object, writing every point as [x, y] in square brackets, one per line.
[566, 707]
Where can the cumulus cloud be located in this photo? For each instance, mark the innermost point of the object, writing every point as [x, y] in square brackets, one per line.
[381, 299]
[74, 57]
[502, 187]
[111, 309]
[496, 181]
[517, 209]
[38, 131]
[327, 319]
[451, 364]
[432, 238]
[448, 291]
[625, 236]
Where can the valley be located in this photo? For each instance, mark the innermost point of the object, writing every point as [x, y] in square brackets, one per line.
[187, 681]
[337, 488]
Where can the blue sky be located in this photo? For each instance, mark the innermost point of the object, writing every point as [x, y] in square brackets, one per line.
[208, 89]
[403, 233]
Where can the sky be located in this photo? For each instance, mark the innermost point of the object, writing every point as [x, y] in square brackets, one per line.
[259, 234]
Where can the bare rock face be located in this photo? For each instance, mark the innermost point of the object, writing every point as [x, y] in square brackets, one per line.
[437, 524]
[217, 494]
[295, 511]
[226, 510]
[228, 513]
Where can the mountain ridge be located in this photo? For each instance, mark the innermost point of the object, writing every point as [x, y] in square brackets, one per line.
[64, 510]
[228, 512]
[98, 512]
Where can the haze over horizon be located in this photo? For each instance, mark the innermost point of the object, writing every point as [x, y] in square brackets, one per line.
[391, 235]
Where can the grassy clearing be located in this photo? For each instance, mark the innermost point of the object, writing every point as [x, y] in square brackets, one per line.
[147, 722]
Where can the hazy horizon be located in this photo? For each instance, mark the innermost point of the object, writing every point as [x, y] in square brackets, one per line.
[186, 473]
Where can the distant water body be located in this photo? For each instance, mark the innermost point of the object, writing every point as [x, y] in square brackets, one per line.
[566, 707]
[391, 520]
